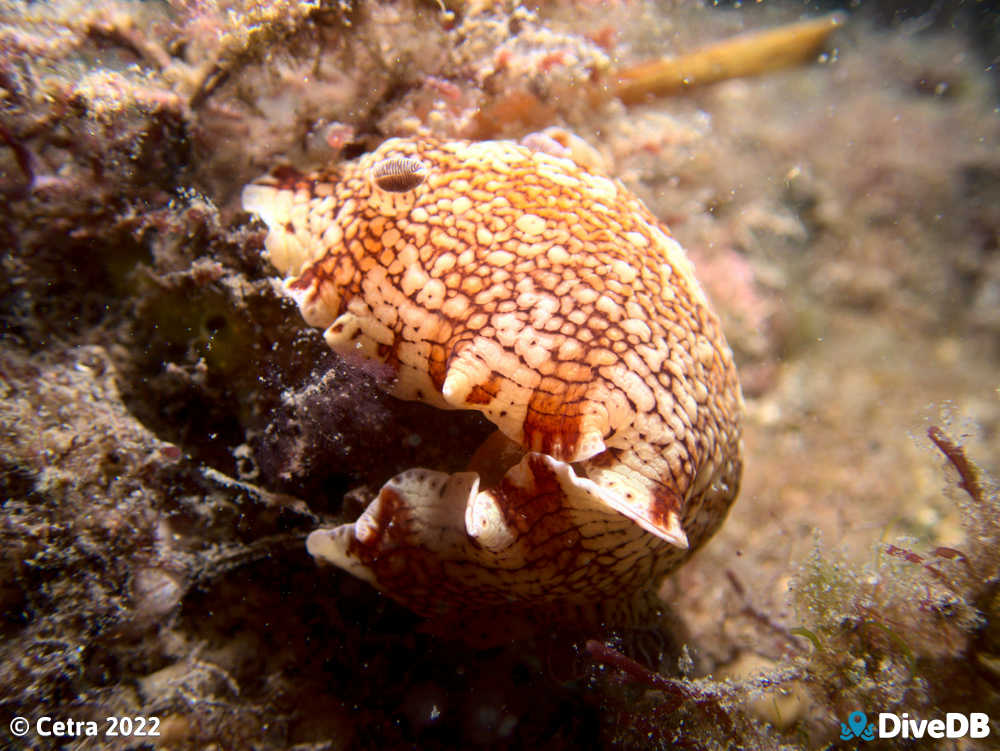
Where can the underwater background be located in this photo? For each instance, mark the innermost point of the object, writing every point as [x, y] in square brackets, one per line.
[170, 430]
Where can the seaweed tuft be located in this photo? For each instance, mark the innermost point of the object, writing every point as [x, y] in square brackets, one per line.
[901, 634]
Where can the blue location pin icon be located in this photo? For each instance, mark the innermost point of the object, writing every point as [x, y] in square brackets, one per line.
[857, 721]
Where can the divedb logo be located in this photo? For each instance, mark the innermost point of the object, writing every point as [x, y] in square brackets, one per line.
[890, 725]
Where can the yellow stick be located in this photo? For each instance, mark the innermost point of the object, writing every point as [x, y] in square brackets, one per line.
[744, 55]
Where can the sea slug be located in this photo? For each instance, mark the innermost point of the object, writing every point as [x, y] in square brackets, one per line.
[493, 277]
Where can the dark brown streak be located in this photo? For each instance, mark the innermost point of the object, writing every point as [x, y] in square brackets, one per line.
[956, 455]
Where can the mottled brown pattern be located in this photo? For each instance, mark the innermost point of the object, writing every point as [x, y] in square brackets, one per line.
[492, 277]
